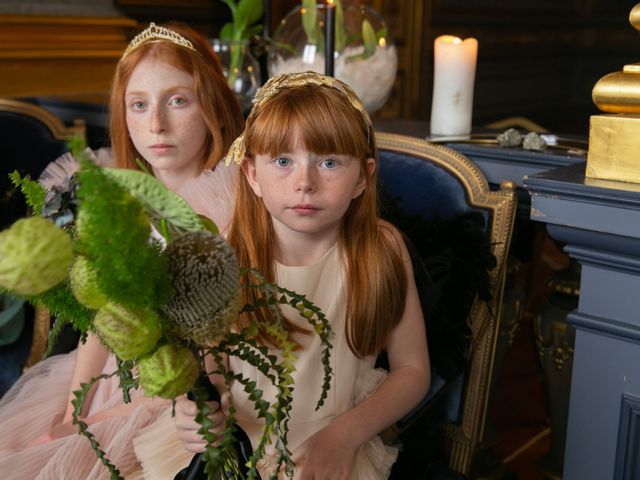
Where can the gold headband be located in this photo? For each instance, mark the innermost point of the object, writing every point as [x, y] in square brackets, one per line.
[153, 32]
[281, 82]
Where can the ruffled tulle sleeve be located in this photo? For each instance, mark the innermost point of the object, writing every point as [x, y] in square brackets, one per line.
[66, 165]
[212, 194]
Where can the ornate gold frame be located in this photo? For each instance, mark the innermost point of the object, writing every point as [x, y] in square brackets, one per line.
[42, 318]
[53, 123]
[467, 434]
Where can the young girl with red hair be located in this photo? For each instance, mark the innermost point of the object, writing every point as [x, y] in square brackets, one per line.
[306, 217]
[172, 111]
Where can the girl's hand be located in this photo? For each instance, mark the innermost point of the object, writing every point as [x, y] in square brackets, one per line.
[185, 420]
[327, 454]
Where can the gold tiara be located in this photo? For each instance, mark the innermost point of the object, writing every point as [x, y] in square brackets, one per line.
[154, 32]
[281, 82]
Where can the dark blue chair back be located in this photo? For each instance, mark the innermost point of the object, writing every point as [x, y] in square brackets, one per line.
[31, 138]
[435, 182]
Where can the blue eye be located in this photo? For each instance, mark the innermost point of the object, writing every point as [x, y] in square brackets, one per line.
[178, 101]
[329, 163]
[138, 105]
[282, 161]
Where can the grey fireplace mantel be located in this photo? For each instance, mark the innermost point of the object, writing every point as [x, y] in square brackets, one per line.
[599, 222]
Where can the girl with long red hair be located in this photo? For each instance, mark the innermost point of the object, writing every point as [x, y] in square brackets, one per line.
[173, 114]
[306, 217]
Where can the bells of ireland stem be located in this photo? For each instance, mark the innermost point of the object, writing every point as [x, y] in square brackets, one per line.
[168, 372]
[129, 334]
[35, 256]
[84, 284]
[206, 284]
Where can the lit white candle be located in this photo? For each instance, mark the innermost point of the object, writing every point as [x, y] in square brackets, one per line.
[453, 79]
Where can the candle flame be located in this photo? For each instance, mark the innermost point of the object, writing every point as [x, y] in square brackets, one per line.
[382, 42]
[457, 40]
[330, 2]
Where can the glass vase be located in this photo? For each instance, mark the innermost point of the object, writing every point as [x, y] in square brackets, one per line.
[241, 69]
[365, 56]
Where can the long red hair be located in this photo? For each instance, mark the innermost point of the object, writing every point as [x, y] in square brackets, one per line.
[218, 105]
[375, 274]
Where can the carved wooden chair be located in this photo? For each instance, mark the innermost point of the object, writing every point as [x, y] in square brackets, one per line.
[435, 182]
[30, 138]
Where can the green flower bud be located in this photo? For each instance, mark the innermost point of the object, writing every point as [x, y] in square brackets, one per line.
[129, 334]
[206, 284]
[35, 256]
[84, 284]
[168, 372]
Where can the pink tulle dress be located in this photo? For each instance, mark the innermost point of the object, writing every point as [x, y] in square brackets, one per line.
[38, 399]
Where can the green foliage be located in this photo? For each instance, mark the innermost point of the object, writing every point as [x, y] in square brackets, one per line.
[315, 36]
[63, 305]
[311, 26]
[310, 312]
[80, 397]
[32, 190]
[112, 234]
[310, 21]
[54, 332]
[341, 30]
[156, 198]
[77, 146]
[127, 380]
[278, 371]
[244, 14]
[130, 270]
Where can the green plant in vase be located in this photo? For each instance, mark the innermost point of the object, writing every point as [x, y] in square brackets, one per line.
[365, 56]
[315, 35]
[233, 48]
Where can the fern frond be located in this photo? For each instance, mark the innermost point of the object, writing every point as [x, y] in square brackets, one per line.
[33, 192]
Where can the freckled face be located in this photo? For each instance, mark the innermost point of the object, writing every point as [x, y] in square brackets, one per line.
[305, 192]
[164, 119]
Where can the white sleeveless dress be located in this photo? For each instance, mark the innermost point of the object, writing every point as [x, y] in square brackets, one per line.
[353, 378]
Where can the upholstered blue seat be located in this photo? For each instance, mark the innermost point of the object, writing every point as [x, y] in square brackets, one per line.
[432, 183]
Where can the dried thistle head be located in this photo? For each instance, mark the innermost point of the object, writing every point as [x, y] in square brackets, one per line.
[206, 283]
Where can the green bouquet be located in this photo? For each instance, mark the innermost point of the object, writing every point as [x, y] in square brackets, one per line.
[161, 304]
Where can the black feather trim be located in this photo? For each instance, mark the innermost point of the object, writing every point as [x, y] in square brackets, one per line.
[451, 259]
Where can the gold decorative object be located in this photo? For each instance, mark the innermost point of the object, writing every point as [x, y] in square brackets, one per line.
[614, 138]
